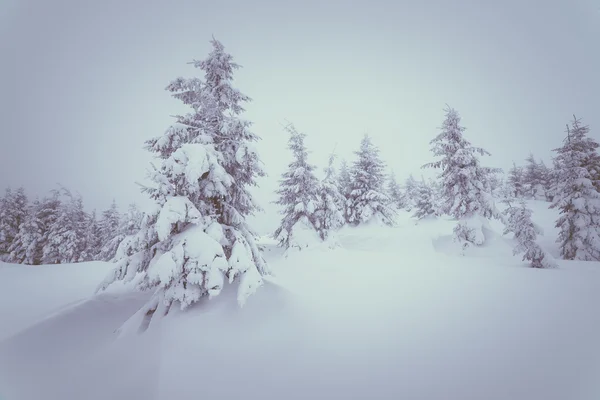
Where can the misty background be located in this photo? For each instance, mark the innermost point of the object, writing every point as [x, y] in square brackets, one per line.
[83, 82]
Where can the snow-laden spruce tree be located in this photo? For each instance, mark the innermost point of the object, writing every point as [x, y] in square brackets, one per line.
[13, 212]
[344, 182]
[66, 234]
[411, 186]
[197, 238]
[298, 197]
[577, 195]
[515, 181]
[533, 179]
[394, 192]
[26, 247]
[110, 232]
[131, 222]
[465, 192]
[368, 200]
[518, 221]
[331, 203]
[426, 201]
[92, 243]
[47, 215]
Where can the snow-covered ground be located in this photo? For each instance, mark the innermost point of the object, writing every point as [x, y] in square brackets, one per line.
[393, 313]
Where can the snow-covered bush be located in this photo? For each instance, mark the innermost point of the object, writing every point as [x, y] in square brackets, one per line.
[525, 232]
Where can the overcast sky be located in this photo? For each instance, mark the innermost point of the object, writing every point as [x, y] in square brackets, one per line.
[83, 81]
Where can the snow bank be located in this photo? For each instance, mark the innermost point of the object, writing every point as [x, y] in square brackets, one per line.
[384, 316]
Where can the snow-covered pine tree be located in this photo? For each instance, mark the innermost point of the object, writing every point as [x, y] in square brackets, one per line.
[298, 196]
[331, 204]
[547, 180]
[533, 179]
[515, 181]
[577, 195]
[197, 237]
[519, 223]
[26, 247]
[425, 201]
[131, 222]
[93, 240]
[465, 190]
[66, 235]
[12, 214]
[110, 232]
[395, 193]
[411, 188]
[47, 216]
[344, 182]
[368, 201]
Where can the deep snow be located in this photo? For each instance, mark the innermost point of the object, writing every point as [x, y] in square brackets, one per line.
[392, 313]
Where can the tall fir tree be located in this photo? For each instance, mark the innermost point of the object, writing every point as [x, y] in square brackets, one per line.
[131, 222]
[515, 181]
[27, 245]
[47, 216]
[66, 234]
[466, 195]
[394, 192]
[411, 188]
[12, 214]
[344, 181]
[577, 194]
[533, 179]
[368, 200]
[110, 232]
[198, 237]
[298, 196]
[93, 239]
[331, 202]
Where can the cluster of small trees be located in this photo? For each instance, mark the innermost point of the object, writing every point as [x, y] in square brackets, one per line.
[572, 186]
[57, 229]
[316, 208]
[534, 180]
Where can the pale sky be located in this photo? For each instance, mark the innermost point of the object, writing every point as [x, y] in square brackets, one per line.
[83, 81]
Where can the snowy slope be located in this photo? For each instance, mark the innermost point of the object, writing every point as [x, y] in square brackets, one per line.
[393, 313]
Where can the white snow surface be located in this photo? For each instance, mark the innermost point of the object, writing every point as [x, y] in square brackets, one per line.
[392, 313]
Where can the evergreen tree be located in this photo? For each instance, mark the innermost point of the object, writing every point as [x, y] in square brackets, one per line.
[26, 247]
[368, 200]
[395, 193]
[12, 214]
[466, 195]
[297, 194]
[577, 194]
[46, 217]
[198, 236]
[547, 180]
[345, 186]
[464, 181]
[110, 234]
[131, 222]
[93, 240]
[426, 202]
[515, 181]
[331, 205]
[411, 190]
[533, 179]
[525, 232]
[66, 234]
